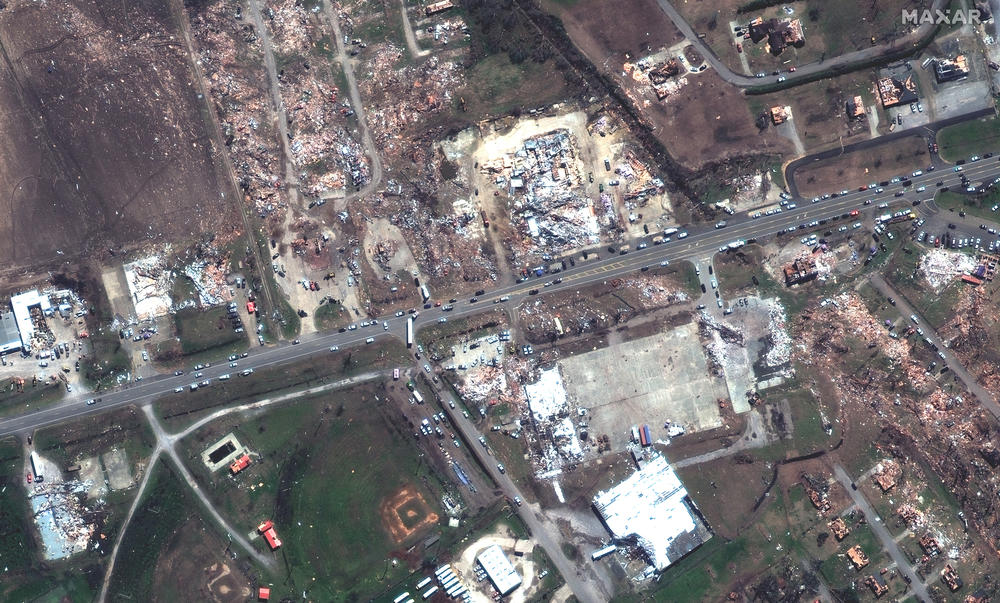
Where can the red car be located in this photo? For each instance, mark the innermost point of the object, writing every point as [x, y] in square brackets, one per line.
[28, 474]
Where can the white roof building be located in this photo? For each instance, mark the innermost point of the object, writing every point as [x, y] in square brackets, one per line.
[652, 508]
[499, 570]
[10, 338]
[22, 304]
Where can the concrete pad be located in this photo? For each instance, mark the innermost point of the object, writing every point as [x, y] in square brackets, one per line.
[646, 381]
[116, 466]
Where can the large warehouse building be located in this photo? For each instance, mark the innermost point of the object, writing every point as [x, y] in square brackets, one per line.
[652, 510]
[499, 569]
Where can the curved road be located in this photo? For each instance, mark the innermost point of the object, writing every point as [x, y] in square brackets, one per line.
[844, 62]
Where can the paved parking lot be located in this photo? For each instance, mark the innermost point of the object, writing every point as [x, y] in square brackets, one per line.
[651, 380]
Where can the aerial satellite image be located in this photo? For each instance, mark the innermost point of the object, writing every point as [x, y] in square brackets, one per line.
[468, 301]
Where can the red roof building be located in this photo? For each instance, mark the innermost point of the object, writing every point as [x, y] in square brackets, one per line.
[251, 307]
[240, 464]
[264, 593]
[270, 535]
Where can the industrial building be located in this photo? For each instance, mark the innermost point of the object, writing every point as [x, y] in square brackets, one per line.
[20, 320]
[651, 509]
[10, 338]
[499, 569]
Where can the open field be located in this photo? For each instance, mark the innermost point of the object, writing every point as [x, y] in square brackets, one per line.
[166, 506]
[819, 110]
[69, 442]
[710, 116]
[113, 144]
[863, 167]
[336, 474]
[970, 138]
[207, 331]
[35, 397]
[182, 408]
[980, 206]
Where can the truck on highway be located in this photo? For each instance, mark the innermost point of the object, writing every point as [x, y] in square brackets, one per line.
[669, 231]
[409, 332]
[737, 244]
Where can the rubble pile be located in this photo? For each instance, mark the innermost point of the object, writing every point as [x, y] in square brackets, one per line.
[401, 99]
[550, 410]
[887, 474]
[956, 439]
[967, 332]
[544, 180]
[150, 280]
[240, 101]
[780, 349]
[292, 30]
[941, 266]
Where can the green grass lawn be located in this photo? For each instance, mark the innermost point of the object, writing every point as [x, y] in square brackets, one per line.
[963, 140]
[207, 330]
[330, 316]
[980, 206]
[327, 464]
[178, 409]
[167, 503]
[32, 398]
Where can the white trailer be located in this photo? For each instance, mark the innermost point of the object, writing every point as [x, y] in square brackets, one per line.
[409, 332]
[424, 582]
[603, 552]
[401, 598]
[429, 592]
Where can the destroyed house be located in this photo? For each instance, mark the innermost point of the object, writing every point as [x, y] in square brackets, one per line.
[893, 92]
[857, 557]
[801, 270]
[664, 71]
[779, 115]
[887, 475]
[950, 70]
[839, 528]
[951, 578]
[929, 545]
[855, 108]
[240, 464]
[877, 584]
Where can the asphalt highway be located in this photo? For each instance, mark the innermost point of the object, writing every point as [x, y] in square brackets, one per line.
[603, 265]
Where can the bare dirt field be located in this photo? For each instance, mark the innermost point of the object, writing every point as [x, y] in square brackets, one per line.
[863, 167]
[194, 566]
[405, 513]
[709, 116]
[112, 143]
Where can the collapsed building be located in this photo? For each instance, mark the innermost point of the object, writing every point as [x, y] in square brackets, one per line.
[950, 70]
[651, 510]
[893, 92]
[855, 107]
[801, 270]
[543, 180]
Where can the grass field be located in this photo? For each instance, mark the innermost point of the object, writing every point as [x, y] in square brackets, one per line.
[207, 330]
[166, 505]
[980, 206]
[961, 141]
[330, 316]
[327, 464]
[32, 398]
[180, 409]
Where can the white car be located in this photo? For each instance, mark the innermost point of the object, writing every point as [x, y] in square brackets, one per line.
[334, 348]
